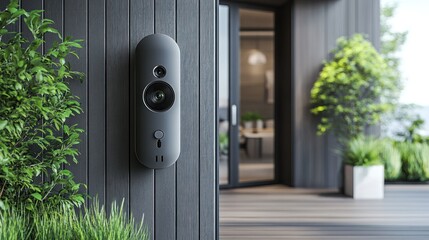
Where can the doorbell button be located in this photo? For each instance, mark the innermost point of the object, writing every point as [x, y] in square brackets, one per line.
[158, 134]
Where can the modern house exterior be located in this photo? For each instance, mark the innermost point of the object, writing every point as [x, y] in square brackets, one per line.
[305, 33]
[180, 202]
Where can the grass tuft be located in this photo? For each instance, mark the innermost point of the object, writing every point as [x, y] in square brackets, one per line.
[64, 223]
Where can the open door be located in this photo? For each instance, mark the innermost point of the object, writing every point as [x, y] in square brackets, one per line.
[246, 96]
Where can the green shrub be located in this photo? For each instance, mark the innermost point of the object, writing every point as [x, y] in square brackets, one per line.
[35, 103]
[391, 159]
[361, 151]
[403, 160]
[65, 224]
[353, 90]
[415, 160]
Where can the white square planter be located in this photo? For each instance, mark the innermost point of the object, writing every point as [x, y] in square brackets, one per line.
[364, 182]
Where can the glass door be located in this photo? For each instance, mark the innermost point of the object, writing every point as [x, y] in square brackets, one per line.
[246, 96]
[256, 99]
[224, 101]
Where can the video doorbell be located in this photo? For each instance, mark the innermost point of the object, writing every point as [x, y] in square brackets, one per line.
[157, 101]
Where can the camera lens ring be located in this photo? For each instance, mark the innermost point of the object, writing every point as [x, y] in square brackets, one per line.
[158, 96]
[159, 71]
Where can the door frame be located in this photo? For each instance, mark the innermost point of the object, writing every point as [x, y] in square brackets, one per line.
[234, 99]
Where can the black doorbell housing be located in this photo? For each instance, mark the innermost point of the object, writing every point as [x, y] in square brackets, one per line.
[157, 101]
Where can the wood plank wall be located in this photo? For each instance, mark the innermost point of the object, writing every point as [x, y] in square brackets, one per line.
[311, 160]
[177, 202]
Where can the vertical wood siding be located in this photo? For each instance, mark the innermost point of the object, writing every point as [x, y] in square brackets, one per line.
[165, 194]
[315, 26]
[177, 202]
[141, 178]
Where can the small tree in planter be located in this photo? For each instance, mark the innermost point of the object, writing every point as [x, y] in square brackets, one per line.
[35, 102]
[353, 90]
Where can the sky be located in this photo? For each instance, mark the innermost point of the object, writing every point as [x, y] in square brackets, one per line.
[413, 16]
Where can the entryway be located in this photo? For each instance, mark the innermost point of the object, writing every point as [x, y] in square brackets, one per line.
[246, 96]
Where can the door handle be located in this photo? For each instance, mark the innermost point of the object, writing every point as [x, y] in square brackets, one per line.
[233, 115]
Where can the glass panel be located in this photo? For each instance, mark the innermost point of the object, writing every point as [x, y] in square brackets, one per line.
[223, 95]
[256, 96]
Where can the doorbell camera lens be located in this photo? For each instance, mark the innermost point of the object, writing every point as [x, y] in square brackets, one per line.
[159, 71]
[159, 96]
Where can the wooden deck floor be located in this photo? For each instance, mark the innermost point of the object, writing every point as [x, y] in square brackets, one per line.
[278, 212]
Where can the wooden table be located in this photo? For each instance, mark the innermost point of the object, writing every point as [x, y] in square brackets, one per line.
[254, 140]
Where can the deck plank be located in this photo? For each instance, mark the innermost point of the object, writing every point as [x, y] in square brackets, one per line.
[277, 212]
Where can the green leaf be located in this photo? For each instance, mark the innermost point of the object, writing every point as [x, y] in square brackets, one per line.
[18, 86]
[37, 196]
[3, 124]
[39, 76]
[21, 63]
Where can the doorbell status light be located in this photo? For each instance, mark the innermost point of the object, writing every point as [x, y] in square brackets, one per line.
[157, 101]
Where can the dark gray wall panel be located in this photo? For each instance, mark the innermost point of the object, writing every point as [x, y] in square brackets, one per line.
[336, 26]
[375, 35]
[29, 6]
[350, 9]
[309, 45]
[316, 26]
[117, 96]
[141, 178]
[165, 179]
[208, 97]
[54, 11]
[75, 14]
[364, 17]
[96, 100]
[177, 202]
[188, 163]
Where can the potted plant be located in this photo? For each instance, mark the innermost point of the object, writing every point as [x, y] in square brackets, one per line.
[364, 170]
[249, 118]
